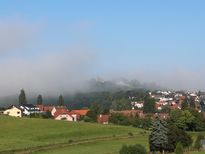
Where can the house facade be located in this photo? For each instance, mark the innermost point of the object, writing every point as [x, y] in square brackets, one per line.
[62, 109]
[29, 109]
[65, 116]
[79, 113]
[13, 111]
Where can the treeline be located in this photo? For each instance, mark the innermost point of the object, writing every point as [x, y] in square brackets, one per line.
[108, 99]
[188, 120]
[22, 99]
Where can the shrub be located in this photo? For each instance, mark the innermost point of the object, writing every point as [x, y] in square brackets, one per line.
[130, 134]
[133, 149]
[179, 148]
[197, 144]
[176, 135]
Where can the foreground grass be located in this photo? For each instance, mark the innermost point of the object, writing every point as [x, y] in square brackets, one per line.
[39, 136]
[20, 133]
[101, 147]
[200, 152]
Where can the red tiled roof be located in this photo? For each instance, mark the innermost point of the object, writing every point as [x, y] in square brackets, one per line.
[174, 106]
[45, 108]
[82, 112]
[60, 112]
[183, 97]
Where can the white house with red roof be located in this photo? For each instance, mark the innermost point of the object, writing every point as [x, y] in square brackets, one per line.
[62, 113]
[79, 113]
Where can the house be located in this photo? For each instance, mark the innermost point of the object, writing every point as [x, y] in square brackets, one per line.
[138, 105]
[62, 114]
[45, 108]
[158, 106]
[175, 106]
[79, 113]
[13, 111]
[62, 109]
[29, 109]
[103, 119]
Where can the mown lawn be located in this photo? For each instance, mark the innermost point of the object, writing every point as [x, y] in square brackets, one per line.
[18, 133]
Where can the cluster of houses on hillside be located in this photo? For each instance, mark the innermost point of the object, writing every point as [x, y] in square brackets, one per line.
[173, 100]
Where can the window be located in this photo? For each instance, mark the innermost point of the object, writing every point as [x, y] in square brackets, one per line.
[18, 112]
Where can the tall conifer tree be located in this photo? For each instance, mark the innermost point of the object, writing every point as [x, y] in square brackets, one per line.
[61, 101]
[39, 100]
[22, 98]
[158, 138]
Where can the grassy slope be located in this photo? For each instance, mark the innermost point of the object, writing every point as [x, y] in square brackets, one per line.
[101, 147]
[201, 152]
[17, 133]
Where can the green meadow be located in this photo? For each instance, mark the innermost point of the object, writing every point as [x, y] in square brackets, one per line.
[26, 134]
[40, 136]
[101, 147]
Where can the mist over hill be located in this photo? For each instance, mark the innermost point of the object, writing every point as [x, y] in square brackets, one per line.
[92, 88]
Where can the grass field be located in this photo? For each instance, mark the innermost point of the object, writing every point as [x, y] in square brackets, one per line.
[201, 152]
[22, 133]
[101, 147]
[39, 136]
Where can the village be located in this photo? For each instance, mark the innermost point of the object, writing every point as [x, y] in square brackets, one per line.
[164, 102]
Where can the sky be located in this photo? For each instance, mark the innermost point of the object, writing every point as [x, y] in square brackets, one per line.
[52, 46]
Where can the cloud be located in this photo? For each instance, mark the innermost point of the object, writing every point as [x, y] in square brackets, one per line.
[15, 34]
[53, 73]
[65, 71]
[173, 78]
[48, 72]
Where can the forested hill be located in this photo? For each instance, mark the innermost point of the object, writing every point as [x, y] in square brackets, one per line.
[96, 91]
[80, 100]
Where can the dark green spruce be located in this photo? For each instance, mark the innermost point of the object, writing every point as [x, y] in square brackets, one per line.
[39, 100]
[158, 139]
[61, 101]
[22, 98]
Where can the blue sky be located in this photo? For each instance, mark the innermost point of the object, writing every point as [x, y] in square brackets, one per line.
[117, 36]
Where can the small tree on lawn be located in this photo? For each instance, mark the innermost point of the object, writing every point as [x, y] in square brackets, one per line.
[158, 139]
[179, 148]
[197, 144]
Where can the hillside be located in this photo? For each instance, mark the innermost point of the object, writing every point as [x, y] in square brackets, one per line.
[26, 133]
[95, 90]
